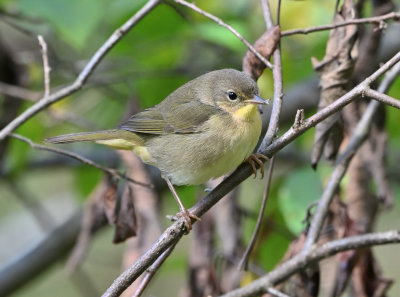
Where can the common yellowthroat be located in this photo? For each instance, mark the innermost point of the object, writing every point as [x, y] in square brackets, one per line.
[202, 130]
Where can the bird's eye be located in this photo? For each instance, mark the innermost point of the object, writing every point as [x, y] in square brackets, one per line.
[232, 96]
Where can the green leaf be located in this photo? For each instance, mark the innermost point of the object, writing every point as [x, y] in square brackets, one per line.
[219, 35]
[75, 20]
[86, 179]
[300, 189]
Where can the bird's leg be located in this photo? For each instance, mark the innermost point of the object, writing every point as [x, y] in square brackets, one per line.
[184, 212]
[256, 158]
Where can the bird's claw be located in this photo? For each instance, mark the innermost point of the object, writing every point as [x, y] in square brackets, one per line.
[187, 216]
[256, 158]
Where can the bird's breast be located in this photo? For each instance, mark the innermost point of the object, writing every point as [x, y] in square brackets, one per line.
[228, 141]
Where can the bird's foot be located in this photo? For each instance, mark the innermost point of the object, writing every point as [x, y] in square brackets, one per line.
[187, 216]
[257, 158]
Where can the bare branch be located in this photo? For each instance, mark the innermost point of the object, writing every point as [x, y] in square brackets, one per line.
[223, 24]
[46, 67]
[85, 73]
[173, 233]
[372, 20]
[381, 97]
[302, 260]
[81, 159]
[358, 137]
[28, 265]
[152, 270]
[278, 85]
[18, 92]
[276, 293]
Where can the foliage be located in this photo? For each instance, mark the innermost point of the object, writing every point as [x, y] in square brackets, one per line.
[167, 48]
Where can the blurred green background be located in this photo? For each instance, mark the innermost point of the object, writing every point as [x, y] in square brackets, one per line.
[168, 47]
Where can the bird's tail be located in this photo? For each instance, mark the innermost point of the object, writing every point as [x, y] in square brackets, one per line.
[118, 139]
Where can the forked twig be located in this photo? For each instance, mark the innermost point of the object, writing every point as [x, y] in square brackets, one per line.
[173, 233]
[152, 270]
[359, 135]
[85, 73]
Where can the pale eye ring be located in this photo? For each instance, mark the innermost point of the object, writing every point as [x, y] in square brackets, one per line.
[232, 96]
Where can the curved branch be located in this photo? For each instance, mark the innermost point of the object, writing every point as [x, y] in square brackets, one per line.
[173, 233]
[85, 73]
[302, 260]
[343, 160]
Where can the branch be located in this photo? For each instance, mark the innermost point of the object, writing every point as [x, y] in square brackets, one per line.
[29, 265]
[302, 260]
[276, 293]
[173, 233]
[382, 98]
[85, 73]
[152, 270]
[221, 23]
[46, 67]
[81, 159]
[278, 85]
[18, 92]
[343, 160]
[372, 20]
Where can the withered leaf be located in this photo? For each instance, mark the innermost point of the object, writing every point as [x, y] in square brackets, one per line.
[126, 221]
[335, 71]
[265, 45]
[110, 200]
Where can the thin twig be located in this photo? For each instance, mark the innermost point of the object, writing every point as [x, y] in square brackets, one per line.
[81, 159]
[343, 160]
[372, 20]
[278, 13]
[278, 84]
[152, 271]
[46, 67]
[267, 13]
[381, 97]
[18, 92]
[276, 293]
[243, 264]
[173, 233]
[85, 73]
[223, 24]
[302, 260]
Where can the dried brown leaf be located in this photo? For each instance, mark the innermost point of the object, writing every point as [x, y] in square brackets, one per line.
[265, 45]
[110, 200]
[304, 283]
[335, 71]
[126, 222]
[367, 278]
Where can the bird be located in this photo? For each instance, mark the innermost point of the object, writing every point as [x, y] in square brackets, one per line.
[203, 130]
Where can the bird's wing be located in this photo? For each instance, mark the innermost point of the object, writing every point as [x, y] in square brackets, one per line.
[185, 117]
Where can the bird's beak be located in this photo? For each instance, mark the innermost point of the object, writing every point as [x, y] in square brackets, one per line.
[257, 100]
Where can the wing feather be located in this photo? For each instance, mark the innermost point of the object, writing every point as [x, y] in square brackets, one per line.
[185, 117]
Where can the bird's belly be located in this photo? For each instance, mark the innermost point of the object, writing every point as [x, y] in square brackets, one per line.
[205, 156]
[226, 163]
